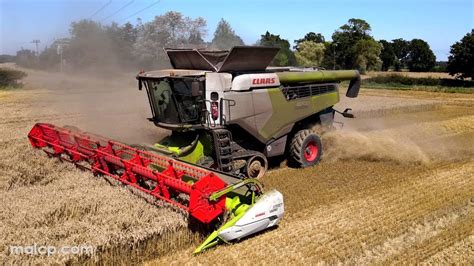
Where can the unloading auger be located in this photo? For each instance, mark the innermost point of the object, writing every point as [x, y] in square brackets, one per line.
[208, 196]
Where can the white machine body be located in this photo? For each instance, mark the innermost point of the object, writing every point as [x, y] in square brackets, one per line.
[265, 213]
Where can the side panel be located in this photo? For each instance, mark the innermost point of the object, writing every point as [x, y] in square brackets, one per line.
[263, 111]
[284, 113]
[241, 111]
[267, 114]
[276, 147]
[218, 81]
[253, 81]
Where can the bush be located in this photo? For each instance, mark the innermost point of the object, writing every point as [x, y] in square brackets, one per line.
[410, 81]
[11, 78]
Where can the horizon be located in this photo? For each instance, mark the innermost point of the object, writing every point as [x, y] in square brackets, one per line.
[291, 20]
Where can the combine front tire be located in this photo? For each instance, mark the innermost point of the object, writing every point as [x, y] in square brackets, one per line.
[305, 148]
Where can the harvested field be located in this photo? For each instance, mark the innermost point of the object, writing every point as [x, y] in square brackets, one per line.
[395, 184]
[390, 190]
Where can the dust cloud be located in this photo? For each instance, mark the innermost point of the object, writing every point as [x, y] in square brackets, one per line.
[370, 146]
[111, 106]
[412, 138]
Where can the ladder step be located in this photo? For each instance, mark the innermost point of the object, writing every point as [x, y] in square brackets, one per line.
[223, 148]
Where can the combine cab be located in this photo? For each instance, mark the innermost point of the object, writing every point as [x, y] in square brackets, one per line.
[228, 111]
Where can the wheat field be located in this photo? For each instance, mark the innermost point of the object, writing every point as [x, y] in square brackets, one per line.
[49, 203]
[386, 192]
[395, 184]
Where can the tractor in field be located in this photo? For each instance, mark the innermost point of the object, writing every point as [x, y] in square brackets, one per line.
[229, 111]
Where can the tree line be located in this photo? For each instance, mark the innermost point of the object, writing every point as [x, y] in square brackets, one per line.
[92, 45]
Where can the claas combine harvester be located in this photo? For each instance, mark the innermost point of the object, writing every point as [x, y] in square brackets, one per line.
[227, 112]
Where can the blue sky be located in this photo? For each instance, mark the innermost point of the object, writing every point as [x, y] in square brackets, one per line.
[439, 22]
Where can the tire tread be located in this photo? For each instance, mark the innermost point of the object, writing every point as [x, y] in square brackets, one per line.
[296, 146]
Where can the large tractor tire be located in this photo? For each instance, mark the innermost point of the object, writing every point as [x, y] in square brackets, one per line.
[305, 148]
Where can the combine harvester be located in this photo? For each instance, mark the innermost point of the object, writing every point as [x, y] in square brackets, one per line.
[202, 167]
[229, 111]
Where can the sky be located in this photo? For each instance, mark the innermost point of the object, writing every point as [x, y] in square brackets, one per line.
[439, 22]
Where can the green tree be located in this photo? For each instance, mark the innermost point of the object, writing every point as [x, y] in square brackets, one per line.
[461, 60]
[400, 48]
[90, 45]
[285, 56]
[310, 36]
[122, 40]
[329, 61]
[357, 28]
[26, 58]
[368, 52]
[197, 32]
[420, 56]
[225, 37]
[310, 53]
[387, 55]
[353, 47]
[49, 59]
[169, 30]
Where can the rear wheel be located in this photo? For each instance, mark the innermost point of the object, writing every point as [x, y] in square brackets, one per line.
[305, 148]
